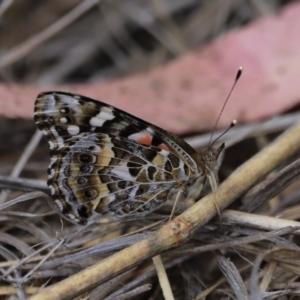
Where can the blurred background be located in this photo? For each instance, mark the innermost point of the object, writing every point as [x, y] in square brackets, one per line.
[49, 43]
[91, 44]
[54, 42]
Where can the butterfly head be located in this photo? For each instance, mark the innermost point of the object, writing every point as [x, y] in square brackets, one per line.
[212, 157]
[210, 161]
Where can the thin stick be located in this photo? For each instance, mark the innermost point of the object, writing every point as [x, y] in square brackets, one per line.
[162, 277]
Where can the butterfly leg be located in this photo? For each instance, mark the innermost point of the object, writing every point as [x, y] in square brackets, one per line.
[175, 204]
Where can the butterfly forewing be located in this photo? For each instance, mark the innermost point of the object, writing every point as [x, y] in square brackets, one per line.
[104, 160]
[69, 114]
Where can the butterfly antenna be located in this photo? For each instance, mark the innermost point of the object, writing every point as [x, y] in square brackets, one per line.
[233, 123]
[238, 75]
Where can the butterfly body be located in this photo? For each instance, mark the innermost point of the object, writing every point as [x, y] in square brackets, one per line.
[104, 160]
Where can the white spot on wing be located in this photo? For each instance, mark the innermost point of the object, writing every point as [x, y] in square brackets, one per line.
[104, 115]
[52, 190]
[51, 145]
[73, 129]
[59, 204]
[164, 152]
[122, 173]
[150, 130]
[63, 120]
[72, 217]
[96, 121]
[52, 173]
[53, 160]
[132, 194]
[112, 197]
[60, 141]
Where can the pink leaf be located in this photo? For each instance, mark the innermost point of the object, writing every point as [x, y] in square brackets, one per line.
[188, 93]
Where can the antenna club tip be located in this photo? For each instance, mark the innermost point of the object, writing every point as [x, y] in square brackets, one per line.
[233, 123]
[239, 73]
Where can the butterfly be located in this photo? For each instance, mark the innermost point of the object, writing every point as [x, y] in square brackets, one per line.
[106, 161]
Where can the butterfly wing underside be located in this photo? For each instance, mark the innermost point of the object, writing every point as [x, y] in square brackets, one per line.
[104, 160]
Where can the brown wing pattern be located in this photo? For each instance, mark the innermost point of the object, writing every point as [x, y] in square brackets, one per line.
[104, 160]
[69, 114]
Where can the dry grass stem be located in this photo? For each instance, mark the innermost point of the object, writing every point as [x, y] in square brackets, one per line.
[182, 227]
[23, 49]
[257, 221]
[19, 166]
[162, 277]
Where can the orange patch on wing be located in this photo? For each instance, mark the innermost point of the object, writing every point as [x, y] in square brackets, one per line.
[163, 147]
[146, 140]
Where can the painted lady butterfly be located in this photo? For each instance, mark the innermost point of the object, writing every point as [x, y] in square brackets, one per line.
[104, 160]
